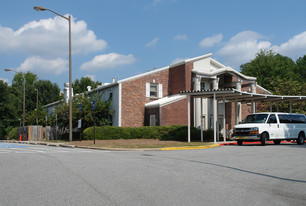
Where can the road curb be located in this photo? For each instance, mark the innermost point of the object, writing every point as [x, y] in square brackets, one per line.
[119, 149]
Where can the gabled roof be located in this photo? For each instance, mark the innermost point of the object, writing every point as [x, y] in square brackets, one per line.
[225, 70]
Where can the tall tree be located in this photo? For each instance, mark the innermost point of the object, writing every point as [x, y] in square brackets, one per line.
[8, 112]
[268, 66]
[280, 75]
[17, 90]
[80, 86]
[48, 92]
[301, 67]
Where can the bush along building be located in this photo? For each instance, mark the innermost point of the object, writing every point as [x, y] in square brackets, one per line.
[154, 99]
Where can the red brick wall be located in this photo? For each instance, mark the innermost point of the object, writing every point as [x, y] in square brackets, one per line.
[180, 78]
[175, 113]
[177, 79]
[134, 98]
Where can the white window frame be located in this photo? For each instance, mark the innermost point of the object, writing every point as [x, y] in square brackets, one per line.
[159, 90]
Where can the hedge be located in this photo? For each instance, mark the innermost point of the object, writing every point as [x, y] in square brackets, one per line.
[12, 134]
[175, 133]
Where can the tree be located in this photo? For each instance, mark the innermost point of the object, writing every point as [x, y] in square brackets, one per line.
[301, 67]
[280, 75]
[102, 112]
[268, 66]
[17, 89]
[48, 92]
[8, 112]
[80, 86]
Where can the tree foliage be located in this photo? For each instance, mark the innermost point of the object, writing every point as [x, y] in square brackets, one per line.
[80, 86]
[99, 116]
[280, 75]
[48, 92]
[268, 66]
[8, 112]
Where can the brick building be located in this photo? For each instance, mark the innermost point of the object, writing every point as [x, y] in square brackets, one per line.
[153, 98]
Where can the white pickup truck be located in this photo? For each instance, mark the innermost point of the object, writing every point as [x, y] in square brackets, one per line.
[271, 126]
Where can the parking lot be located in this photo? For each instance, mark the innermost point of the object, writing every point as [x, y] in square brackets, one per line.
[228, 175]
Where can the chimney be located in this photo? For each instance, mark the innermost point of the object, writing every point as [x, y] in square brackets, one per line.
[89, 88]
[66, 92]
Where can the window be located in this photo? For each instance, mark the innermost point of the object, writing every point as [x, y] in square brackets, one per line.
[272, 119]
[154, 90]
[202, 86]
[255, 118]
[289, 118]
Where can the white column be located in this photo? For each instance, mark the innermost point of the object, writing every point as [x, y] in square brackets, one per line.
[238, 104]
[201, 119]
[236, 112]
[215, 118]
[253, 90]
[215, 108]
[224, 121]
[188, 109]
[197, 115]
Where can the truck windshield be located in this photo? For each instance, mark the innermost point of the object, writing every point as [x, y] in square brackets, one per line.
[255, 118]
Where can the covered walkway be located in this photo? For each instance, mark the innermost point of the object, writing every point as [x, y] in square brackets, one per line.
[233, 95]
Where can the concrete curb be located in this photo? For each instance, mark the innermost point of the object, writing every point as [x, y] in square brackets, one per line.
[118, 149]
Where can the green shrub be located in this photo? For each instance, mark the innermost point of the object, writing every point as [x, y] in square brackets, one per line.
[174, 133]
[12, 134]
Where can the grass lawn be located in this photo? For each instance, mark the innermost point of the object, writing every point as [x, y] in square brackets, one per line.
[135, 143]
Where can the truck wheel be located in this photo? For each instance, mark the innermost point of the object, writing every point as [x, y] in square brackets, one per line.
[264, 138]
[239, 142]
[300, 140]
[277, 141]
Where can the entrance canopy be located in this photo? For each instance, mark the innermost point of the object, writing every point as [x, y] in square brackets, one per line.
[233, 95]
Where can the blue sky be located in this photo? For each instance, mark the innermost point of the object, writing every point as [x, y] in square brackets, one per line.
[123, 38]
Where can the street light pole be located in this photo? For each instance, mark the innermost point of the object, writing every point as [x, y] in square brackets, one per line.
[39, 8]
[23, 104]
[37, 113]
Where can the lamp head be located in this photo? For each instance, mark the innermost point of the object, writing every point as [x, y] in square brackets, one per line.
[7, 70]
[39, 8]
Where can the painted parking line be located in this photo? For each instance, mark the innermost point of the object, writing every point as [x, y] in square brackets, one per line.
[189, 148]
[12, 146]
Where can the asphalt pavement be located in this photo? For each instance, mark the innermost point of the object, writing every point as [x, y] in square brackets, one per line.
[226, 175]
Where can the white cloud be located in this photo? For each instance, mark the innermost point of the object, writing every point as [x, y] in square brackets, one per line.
[152, 43]
[92, 77]
[242, 48]
[49, 37]
[38, 65]
[294, 47]
[180, 37]
[4, 80]
[108, 61]
[211, 41]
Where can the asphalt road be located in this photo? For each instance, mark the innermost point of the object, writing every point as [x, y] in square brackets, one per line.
[227, 175]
